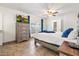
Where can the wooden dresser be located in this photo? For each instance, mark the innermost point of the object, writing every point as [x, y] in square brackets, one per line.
[65, 50]
[22, 32]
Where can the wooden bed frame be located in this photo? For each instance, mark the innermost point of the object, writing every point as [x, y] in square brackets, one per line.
[46, 44]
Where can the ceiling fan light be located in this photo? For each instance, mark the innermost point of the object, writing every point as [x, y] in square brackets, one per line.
[50, 12]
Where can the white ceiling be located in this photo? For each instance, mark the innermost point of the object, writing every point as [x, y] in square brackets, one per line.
[37, 8]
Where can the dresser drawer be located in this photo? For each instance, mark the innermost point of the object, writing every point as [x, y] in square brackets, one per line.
[25, 38]
[23, 31]
[25, 35]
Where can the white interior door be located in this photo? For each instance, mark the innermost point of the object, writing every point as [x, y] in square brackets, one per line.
[1, 32]
[56, 25]
[59, 25]
[9, 27]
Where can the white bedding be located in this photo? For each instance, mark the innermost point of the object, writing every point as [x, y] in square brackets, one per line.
[53, 38]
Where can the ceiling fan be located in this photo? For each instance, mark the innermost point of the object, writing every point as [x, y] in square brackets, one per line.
[50, 12]
[56, 9]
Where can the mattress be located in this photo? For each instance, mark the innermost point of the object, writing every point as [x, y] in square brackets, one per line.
[53, 38]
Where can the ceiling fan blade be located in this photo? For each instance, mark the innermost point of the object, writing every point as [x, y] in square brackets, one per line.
[53, 15]
[55, 12]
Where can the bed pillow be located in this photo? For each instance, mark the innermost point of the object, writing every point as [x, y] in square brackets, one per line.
[73, 34]
[67, 32]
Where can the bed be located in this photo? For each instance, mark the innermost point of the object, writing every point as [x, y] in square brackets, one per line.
[49, 40]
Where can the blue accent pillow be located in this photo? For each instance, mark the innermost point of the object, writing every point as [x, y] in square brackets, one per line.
[67, 32]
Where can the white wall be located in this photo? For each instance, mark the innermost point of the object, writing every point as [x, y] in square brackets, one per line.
[70, 20]
[9, 23]
[9, 27]
[35, 24]
[67, 20]
[0, 21]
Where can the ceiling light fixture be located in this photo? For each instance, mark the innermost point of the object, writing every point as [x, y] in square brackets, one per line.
[50, 12]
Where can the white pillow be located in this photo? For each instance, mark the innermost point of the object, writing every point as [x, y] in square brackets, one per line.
[73, 34]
